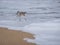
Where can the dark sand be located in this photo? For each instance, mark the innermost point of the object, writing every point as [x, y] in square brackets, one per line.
[13, 37]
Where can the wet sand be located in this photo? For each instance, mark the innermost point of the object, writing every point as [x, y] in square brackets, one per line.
[13, 37]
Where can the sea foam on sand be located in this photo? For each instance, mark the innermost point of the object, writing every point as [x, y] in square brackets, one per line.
[45, 33]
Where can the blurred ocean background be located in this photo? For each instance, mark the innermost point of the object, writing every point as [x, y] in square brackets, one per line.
[43, 19]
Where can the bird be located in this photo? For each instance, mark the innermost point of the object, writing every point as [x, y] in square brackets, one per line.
[21, 15]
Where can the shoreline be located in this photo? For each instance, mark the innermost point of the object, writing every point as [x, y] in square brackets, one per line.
[14, 37]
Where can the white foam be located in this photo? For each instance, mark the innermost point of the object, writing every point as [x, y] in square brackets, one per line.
[45, 33]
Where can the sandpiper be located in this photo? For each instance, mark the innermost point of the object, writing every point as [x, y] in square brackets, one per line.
[21, 15]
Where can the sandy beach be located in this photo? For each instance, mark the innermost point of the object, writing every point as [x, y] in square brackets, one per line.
[13, 37]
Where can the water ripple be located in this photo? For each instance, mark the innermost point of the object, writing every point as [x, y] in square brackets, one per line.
[42, 8]
[45, 13]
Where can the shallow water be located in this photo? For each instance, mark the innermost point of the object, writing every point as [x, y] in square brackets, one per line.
[43, 19]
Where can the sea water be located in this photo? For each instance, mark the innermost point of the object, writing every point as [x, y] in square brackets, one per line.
[42, 19]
